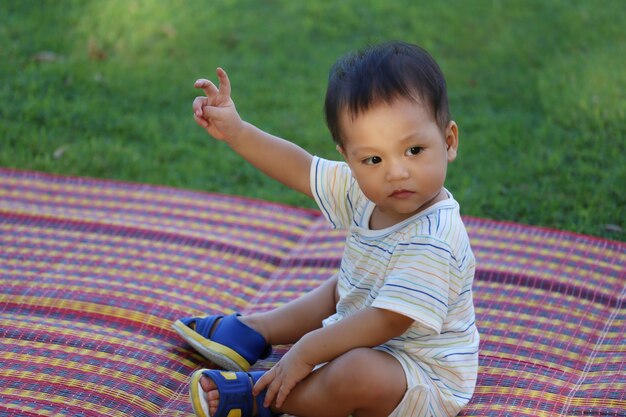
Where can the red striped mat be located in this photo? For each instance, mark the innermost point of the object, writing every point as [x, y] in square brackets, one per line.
[93, 272]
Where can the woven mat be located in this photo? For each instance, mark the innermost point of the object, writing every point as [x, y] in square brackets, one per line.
[93, 273]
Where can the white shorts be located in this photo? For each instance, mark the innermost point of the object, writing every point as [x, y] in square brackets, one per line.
[423, 397]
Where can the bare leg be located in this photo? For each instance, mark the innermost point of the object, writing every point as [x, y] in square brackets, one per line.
[288, 323]
[363, 383]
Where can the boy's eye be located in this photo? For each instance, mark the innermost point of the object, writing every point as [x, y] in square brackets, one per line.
[414, 150]
[372, 160]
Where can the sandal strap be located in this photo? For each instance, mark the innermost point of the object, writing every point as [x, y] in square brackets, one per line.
[236, 397]
[235, 390]
[261, 410]
[202, 325]
[229, 331]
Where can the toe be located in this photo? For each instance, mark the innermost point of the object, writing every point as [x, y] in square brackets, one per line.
[207, 384]
[212, 394]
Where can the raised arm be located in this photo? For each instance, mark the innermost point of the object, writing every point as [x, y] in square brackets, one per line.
[278, 158]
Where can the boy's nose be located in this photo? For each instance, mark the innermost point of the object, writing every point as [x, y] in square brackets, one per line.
[397, 171]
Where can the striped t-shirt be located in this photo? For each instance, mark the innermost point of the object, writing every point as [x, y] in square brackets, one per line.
[422, 267]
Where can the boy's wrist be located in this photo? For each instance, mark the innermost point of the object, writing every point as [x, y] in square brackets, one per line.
[238, 135]
[317, 347]
[245, 135]
[306, 348]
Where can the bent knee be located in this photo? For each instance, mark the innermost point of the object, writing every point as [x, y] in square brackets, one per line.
[368, 373]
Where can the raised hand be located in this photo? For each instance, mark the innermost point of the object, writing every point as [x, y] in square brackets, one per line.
[215, 111]
[276, 157]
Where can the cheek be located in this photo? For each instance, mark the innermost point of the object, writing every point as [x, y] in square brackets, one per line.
[436, 174]
[429, 175]
[368, 182]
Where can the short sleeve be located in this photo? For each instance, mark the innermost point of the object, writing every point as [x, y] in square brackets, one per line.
[331, 182]
[418, 281]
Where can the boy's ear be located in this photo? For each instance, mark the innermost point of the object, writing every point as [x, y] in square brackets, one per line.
[341, 151]
[452, 140]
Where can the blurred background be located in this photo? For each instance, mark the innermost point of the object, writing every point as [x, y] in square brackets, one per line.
[103, 88]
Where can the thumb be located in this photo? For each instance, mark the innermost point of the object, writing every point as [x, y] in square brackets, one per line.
[213, 112]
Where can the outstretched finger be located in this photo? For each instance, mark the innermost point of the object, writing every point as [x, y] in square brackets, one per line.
[224, 90]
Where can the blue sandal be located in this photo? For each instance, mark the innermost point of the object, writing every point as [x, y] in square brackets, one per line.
[229, 344]
[235, 390]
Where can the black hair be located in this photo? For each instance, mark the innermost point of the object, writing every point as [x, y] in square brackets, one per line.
[383, 73]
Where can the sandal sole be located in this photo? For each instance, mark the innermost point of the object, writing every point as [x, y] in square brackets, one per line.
[219, 354]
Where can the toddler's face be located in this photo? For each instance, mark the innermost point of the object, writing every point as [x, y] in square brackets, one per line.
[399, 156]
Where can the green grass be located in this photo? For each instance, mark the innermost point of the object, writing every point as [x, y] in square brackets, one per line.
[538, 88]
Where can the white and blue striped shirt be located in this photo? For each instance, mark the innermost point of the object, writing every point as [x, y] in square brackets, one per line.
[422, 267]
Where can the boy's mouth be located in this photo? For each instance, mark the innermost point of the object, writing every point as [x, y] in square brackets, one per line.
[401, 193]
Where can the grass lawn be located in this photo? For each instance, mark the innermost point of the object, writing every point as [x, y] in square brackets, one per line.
[538, 88]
